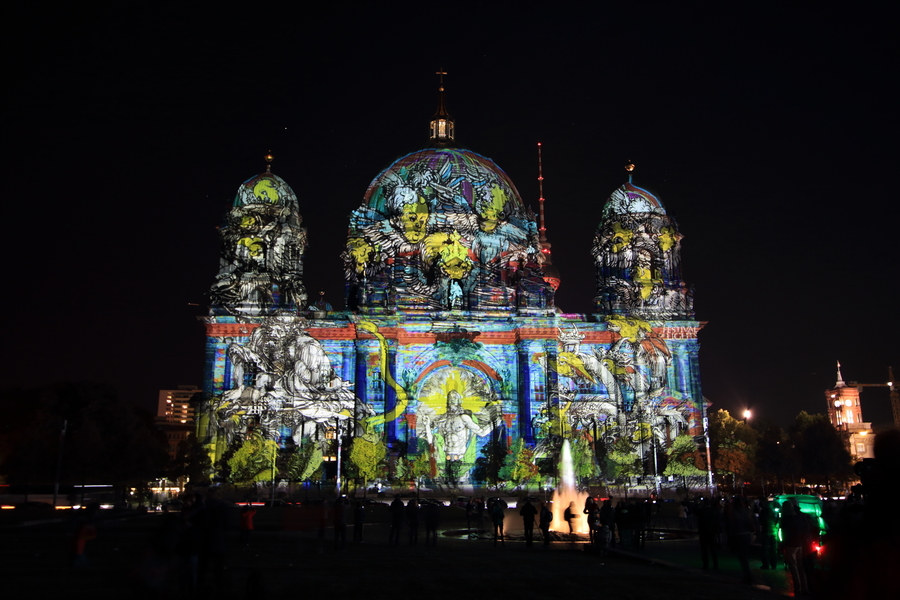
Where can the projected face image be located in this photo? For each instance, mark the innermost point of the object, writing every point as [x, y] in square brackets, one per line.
[413, 219]
[491, 211]
[621, 237]
[667, 238]
[266, 191]
[361, 253]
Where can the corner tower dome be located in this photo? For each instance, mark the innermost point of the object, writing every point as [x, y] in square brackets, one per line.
[637, 255]
[261, 262]
[444, 229]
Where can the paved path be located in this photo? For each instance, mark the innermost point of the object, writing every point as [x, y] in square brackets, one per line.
[283, 561]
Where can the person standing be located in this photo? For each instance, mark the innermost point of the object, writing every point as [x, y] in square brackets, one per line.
[396, 510]
[247, 513]
[608, 518]
[742, 527]
[794, 533]
[412, 520]
[497, 516]
[593, 517]
[528, 513]
[545, 519]
[569, 516]
[708, 530]
[339, 520]
[767, 536]
[431, 516]
[359, 517]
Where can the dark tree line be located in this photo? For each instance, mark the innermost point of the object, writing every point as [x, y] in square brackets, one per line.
[106, 440]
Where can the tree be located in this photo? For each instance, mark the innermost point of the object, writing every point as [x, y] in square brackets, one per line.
[821, 451]
[625, 462]
[106, 441]
[423, 466]
[732, 445]
[303, 463]
[488, 465]
[583, 462]
[684, 459]
[253, 459]
[366, 454]
[519, 467]
[776, 458]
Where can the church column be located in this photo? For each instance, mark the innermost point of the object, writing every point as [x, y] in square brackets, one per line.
[390, 395]
[361, 386]
[525, 393]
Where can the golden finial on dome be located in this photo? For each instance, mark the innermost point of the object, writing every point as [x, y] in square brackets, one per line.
[630, 169]
[269, 157]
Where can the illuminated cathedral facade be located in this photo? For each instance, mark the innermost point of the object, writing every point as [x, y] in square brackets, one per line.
[450, 344]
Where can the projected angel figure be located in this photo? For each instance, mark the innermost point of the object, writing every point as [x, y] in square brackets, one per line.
[293, 383]
[457, 425]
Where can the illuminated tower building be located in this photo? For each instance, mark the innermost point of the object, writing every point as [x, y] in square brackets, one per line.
[450, 344]
[175, 415]
[845, 413]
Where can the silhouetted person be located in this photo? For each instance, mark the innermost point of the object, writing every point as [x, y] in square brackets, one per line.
[528, 513]
[569, 516]
[412, 520]
[794, 534]
[396, 510]
[339, 520]
[593, 516]
[546, 517]
[742, 527]
[247, 514]
[708, 530]
[431, 515]
[497, 516]
[84, 529]
[767, 538]
[608, 518]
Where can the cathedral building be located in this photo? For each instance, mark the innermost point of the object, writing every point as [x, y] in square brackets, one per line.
[450, 342]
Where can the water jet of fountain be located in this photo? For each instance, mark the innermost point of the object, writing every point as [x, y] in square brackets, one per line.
[566, 493]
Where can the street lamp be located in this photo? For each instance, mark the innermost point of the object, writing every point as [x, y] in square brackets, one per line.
[747, 415]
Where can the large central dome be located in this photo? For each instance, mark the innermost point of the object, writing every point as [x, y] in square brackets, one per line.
[442, 228]
[459, 184]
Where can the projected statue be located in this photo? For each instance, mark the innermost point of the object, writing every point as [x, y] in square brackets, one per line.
[283, 377]
[456, 426]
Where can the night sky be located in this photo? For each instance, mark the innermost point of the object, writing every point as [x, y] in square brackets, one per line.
[768, 131]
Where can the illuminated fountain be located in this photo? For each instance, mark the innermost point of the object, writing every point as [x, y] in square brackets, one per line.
[566, 493]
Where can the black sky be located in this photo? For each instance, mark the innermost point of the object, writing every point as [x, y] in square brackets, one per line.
[768, 130]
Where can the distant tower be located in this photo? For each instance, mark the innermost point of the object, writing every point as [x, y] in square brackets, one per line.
[551, 274]
[845, 413]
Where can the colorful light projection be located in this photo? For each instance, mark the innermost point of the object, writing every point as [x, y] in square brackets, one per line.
[637, 254]
[452, 347]
[261, 265]
[444, 229]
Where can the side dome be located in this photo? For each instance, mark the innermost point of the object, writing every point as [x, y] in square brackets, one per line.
[443, 228]
[261, 262]
[266, 188]
[637, 255]
[630, 199]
